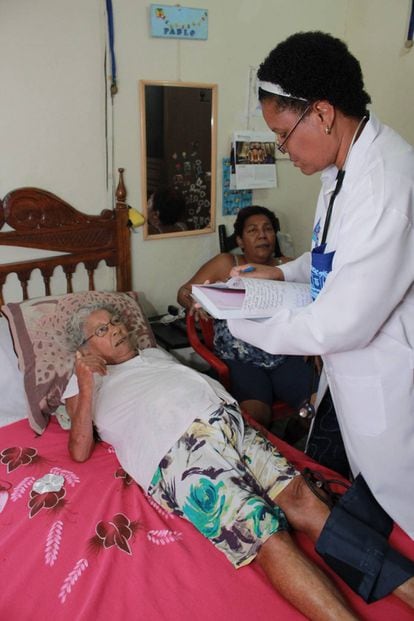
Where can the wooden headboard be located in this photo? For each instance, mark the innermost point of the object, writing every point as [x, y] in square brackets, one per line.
[44, 221]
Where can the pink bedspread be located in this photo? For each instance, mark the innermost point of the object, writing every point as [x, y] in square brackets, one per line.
[100, 549]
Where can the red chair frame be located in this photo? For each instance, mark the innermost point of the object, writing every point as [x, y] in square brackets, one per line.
[205, 348]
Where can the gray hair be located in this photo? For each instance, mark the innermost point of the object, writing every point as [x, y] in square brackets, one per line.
[75, 334]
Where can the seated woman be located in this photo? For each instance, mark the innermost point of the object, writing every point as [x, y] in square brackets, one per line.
[257, 378]
[188, 446]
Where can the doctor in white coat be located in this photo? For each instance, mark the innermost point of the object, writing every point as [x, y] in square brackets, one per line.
[361, 264]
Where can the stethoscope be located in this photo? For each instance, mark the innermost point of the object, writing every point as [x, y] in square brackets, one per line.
[340, 179]
[338, 185]
[307, 409]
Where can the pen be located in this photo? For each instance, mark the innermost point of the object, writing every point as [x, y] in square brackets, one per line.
[250, 268]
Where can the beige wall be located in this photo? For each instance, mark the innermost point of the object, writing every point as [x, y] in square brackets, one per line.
[52, 106]
[51, 98]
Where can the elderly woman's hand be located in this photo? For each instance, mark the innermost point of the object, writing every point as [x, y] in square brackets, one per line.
[86, 365]
[255, 270]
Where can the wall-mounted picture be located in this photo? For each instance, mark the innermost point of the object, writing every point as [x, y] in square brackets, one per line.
[255, 160]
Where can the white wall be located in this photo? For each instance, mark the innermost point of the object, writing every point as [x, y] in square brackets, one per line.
[52, 107]
[52, 103]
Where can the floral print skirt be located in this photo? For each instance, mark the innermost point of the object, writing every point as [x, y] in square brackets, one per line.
[222, 475]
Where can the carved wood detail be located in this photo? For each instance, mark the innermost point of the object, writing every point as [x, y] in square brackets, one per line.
[33, 208]
[44, 221]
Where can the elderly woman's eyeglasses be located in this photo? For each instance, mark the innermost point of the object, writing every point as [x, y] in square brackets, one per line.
[101, 330]
[282, 146]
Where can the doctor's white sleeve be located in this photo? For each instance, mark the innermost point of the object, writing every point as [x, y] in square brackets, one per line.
[297, 270]
[372, 273]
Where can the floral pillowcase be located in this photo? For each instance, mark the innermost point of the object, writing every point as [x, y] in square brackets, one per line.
[38, 330]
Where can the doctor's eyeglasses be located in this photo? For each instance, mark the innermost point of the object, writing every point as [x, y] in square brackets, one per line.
[101, 330]
[281, 147]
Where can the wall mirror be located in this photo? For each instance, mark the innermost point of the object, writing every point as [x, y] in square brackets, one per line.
[178, 154]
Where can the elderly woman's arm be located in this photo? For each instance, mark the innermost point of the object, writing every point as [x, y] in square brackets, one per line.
[81, 441]
[79, 407]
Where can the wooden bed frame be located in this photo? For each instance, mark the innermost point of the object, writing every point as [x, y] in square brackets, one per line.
[44, 221]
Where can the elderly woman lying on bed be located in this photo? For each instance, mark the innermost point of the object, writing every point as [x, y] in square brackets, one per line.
[181, 436]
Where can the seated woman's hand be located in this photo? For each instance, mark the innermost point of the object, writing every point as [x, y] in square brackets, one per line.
[200, 314]
[271, 272]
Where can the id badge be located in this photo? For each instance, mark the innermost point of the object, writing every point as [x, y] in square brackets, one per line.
[321, 265]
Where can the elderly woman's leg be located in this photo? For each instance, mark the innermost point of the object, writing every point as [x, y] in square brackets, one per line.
[304, 511]
[353, 535]
[205, 479]
[300, 581]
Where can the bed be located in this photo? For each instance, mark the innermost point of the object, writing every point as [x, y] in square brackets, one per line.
[81, 541]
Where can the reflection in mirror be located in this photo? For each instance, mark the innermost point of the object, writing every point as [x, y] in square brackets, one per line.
[178, 139]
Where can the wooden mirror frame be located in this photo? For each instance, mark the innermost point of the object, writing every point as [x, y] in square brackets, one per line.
[191, 171]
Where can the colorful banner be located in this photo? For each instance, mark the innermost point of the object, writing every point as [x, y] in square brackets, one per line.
[178, 22]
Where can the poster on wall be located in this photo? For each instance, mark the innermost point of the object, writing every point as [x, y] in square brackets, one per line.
[178, 22]
[255, 160]
[233, 200]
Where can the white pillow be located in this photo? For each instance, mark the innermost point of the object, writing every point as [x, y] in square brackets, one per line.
[13, 402]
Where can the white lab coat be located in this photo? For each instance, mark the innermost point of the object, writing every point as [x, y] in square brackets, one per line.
[362, 323]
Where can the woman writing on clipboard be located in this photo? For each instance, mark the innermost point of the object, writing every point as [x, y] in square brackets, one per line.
[360, 268]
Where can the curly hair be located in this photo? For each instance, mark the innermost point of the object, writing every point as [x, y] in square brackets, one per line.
[75, 334]
[253, 210]
[313, 66]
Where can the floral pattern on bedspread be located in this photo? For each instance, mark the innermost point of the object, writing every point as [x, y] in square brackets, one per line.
[99, 548]
[16, 456]
[47, 500]
[110, 523]
[116, 532]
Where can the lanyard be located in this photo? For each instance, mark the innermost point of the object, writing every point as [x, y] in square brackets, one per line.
[339, 180]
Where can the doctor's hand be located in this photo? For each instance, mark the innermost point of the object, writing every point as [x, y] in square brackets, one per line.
[256, 270]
